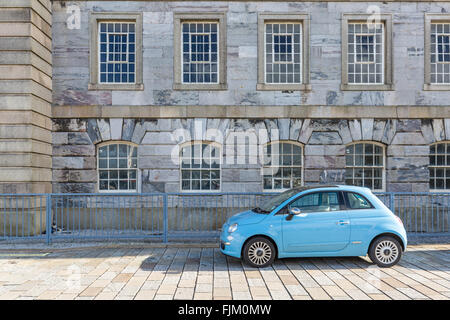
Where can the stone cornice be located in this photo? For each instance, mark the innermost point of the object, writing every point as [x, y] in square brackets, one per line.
[252, 112]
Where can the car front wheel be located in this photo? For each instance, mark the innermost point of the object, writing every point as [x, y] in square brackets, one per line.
[385, 251]
[259, 252]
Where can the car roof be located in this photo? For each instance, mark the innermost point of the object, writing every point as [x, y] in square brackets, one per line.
[342, 187]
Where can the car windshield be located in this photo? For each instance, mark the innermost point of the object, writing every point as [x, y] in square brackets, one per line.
[275, 201]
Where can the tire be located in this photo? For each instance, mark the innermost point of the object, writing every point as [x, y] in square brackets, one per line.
[385, 251]
[259, 252]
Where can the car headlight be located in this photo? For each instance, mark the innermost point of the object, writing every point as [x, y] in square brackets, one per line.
[232, 228]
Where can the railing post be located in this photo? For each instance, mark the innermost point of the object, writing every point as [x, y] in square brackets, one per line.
[166, 218]
[48, 231]
[392, 202]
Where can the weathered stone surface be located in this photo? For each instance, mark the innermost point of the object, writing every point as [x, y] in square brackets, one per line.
[116, 128]
[284, 127]
[367, 129]
[319, 137]
[79, 138]
[389, 131]
[305, 132]
[326, 162]
[378, 130]
[438, 129]
[104, 129]
[408, 125]
[73, 150]
[344, 132]
[60, 138]
[407, 162]
[294, 130]
[408, 138]
[127, 129]
[93, 131]
[324, 150]
[427, 131]
[355, 129]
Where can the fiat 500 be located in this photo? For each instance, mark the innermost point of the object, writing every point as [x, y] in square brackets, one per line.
[320, 221]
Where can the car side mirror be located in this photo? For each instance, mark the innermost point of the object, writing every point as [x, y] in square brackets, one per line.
[293, 212]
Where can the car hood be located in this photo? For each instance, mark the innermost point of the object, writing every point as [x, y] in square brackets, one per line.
[246, 217]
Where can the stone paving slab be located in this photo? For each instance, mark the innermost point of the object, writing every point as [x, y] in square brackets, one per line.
[148, 273]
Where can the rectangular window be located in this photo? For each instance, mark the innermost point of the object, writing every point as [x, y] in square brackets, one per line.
[367, 52]
[117, 49]
[440, 53]
[200, 52]
[283, 52]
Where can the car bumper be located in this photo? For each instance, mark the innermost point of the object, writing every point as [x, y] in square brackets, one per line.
[230, 246]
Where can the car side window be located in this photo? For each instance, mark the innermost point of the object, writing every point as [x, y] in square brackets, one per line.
[318, 202]
[356, 201]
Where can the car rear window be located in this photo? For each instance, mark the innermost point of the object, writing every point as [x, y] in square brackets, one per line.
[357, 201]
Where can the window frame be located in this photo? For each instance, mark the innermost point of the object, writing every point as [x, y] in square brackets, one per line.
[178, 19]
[296, 143]
[429, 19]
[383, 173]
[94, 65]
[201, 142]
[388, 84]
[436, 166]
[304, 20]
[138, 179]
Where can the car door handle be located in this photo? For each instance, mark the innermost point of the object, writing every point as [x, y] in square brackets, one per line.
[342, 222]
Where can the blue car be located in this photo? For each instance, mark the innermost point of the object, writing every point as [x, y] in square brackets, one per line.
[321, 221]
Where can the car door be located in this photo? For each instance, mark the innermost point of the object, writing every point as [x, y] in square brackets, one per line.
[322, 226]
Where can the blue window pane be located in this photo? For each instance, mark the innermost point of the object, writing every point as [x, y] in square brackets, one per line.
[110, 67]
[124, 77]
[110, 27]
[102, 27]
[193, 78]
[131, 27]
[213, 37]
[131, 67]
[103, 47]
[117, 67]
[213, 47]
[214, 57]
[103, 37]
[131, 37]
[110, 77]
[185, 27]
[103, 67]
[131, 47]
[207, 78]
[131, 77]
[103, 77]
[131, 57]
[103, 57]
[185, 37]
[214, 77]
[117, 77]
[186, 77]
[186, 47]
[214, 27]
[124, 67]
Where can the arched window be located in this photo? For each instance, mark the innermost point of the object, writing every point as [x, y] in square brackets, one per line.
[439, 166]
[365, 165]
[117, 167]
[200, 166]
[283, 164]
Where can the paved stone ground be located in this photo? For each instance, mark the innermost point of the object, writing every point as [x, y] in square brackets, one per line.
[204, 273]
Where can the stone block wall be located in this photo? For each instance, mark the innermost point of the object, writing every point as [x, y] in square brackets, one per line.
[406, 143]
[25, 96]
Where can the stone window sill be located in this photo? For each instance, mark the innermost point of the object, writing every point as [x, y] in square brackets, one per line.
[200, 87]
[370, 87]
[283, 87]
[116, 87]
[436, 87]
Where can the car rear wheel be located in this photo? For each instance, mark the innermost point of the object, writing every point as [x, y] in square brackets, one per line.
[385, 251]
[259, 252]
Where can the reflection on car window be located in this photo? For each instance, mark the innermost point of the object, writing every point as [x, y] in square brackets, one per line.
[357, 201]
[317, 202]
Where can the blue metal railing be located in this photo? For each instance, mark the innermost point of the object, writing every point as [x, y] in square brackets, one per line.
[172, 216]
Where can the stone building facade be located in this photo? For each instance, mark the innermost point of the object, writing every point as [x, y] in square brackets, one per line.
[58, 88]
